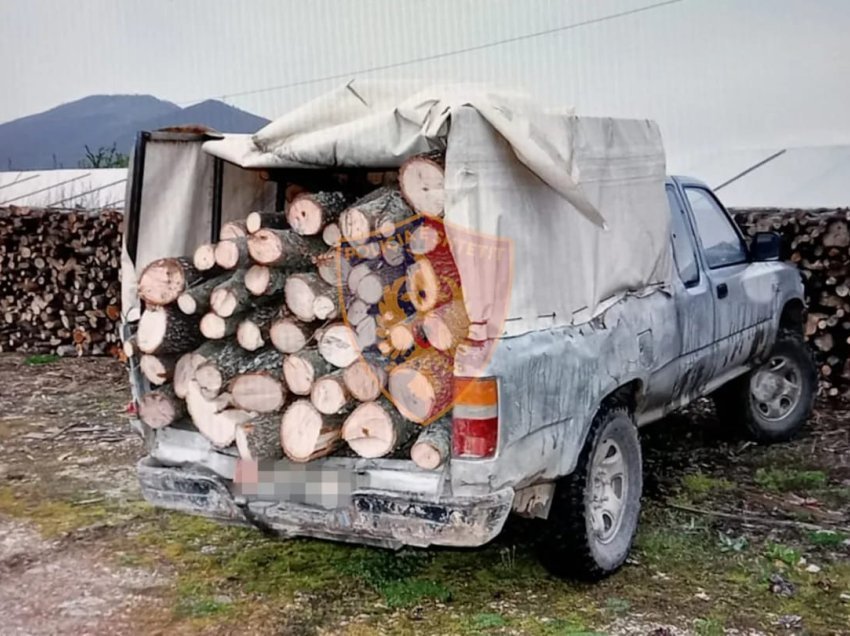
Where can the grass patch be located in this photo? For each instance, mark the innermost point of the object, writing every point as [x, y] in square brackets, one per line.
[55, 518]
[699, 485]
[708, 627]
[827, 539]
[785, 480]
[782, 553]
[41, 358]
[487, 621]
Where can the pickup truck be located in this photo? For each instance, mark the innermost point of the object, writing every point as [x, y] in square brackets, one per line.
[679, 307]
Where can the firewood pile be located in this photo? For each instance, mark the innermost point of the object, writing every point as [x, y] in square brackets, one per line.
[282, 338]
[59, 281]
[818, 242]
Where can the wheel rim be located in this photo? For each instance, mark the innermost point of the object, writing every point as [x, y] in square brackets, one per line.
[609, 486]
[776, 388]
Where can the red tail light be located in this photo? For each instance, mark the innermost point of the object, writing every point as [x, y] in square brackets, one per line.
[475, 418]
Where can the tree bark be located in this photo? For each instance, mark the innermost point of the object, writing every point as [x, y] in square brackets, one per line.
[196, 299]
[259, 438]
[161, 408]
[421, 387]
[232, 253]
[422, 179]
[301, 369]
[329, 394]
[231, 296]
[258, 220]
[285, 249]
[253, 332]
[229, 362]
[302, 290]
[376, 214]
[364, 380]
[446, 325]
[213, 418]
[158, 369]
[167, 330]
[264, 281]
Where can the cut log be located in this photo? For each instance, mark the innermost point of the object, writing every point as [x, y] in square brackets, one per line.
[338, 345]
[232, 253]
[421, 387]
[184, 371]
[404, 335]
[231, 296]
[447, 325]
[215, 327]
[376, 214]
[230, 362]
[289, 335]
[424, 239]
[167, 330]
[259, 391]
[329, 394]
[253, 332]
[422, 179]
[158, 369]
[285, 249]
[433, 446]
[196, 299]
[331, 235]
[357, 273]
[356, 311]
[375, 429]
[424, 286]
[306, 434]
[333, 268]
[130, 347]
[232, 230]
[310, 212]
[366, 333]
[163, 280]
[364, 380]
[301, 290]
[213, 418]
[259, 438]
[264, 281]
[204, 257]
[393, 252]
[259, 220]
[373, 285]
[301, 369]
[161, 408]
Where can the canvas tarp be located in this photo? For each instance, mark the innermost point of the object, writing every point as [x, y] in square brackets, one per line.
[579, 200]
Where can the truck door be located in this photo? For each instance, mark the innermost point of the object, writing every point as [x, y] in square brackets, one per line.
[694, 305]
[743, 292]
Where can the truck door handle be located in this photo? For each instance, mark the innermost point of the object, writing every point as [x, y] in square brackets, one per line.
[722, 290]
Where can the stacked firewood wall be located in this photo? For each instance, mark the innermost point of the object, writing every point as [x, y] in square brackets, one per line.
[818, 243]
[59, 281]
[283, 337]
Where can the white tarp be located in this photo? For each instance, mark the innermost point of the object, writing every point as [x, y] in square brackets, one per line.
[580, 200]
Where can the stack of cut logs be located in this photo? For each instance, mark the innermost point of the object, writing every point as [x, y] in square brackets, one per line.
[818, 242]
[59, 281]
[282, 337]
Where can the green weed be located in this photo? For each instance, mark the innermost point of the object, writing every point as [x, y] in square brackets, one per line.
[784, 480]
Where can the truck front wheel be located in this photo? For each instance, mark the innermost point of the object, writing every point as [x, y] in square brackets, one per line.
[595, 513]
[773, 401]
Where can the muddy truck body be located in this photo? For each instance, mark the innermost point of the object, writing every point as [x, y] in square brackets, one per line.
[551, 429]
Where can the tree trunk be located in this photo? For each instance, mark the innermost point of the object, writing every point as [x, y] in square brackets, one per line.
[364, 380]
[421, 179]
[301, 369]
[302, 290]
[232, 253]
[421, 387]
[338, 345]
[331, 235]
[309, 213]
[232, 230]
[259, 438]
[376, 214]
[329, 394]
[305, 434]
[161, 408]
[257, 221]
[285, 249]
[167, 330]
[163, 280]
[375, 429]
[264, 281]
[258, 391]
[434, 445]
[196, 299]
[232, 361]
[158, 369]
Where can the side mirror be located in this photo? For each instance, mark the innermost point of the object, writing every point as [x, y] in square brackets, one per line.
[765, 247]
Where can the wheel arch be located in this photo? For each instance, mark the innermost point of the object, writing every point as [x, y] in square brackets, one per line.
[793, 315]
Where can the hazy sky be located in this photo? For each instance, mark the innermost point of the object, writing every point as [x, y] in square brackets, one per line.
[713, 73]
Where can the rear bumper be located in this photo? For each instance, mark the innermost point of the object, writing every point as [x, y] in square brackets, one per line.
[374, 517]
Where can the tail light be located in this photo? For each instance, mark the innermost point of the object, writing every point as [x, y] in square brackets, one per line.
[475, 417]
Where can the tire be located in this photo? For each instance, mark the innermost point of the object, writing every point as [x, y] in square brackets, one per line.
[757, 402]
[574, 545]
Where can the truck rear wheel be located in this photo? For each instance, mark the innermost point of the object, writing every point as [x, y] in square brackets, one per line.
[595, 513]
[773, 401]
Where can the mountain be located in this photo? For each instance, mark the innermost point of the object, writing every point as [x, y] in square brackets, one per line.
[57, 137]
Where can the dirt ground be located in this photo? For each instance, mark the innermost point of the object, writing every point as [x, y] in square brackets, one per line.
[735, 538]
